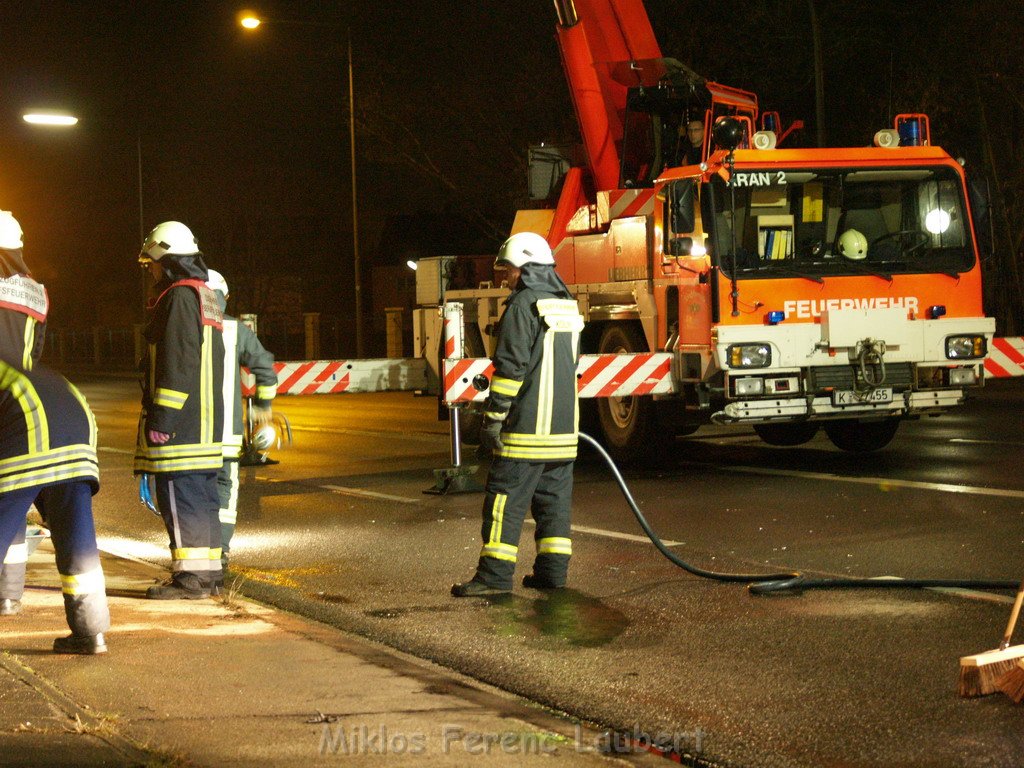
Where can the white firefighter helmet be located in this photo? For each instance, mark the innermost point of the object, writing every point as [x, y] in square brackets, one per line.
[264, 438]
[215, 282]
[10, 232]
[524, 248]
[853, 245]
[171, 237]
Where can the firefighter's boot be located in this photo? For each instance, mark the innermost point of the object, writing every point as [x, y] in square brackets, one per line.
[9, 607]
[475, 588]
[86, 645]
[182, 586]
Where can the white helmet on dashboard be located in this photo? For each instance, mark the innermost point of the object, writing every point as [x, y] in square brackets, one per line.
[10, 232]
[524, 248]
[170, 238]
[853, 245]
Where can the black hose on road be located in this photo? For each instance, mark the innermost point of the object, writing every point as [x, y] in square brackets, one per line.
[772, 583]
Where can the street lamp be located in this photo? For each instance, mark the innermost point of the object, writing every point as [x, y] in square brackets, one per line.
[51, 118]
[251, 22]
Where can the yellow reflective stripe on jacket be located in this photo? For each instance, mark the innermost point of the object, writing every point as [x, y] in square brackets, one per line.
[546, 385]
[88, 583]
[504, 386]
[185, 464]
[215, 553]
[17, 553]
[266, 391]
[170, 398]
[71, 462]
[88, 412]
[500, 551]
[206, 384]
[30, 342]
[554, 545]
[526, 439]
[25, 395]
[559, 453]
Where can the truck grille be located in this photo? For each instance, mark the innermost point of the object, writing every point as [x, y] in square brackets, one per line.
[897, 375]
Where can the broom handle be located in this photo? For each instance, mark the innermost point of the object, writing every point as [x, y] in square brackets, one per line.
[1013, 618]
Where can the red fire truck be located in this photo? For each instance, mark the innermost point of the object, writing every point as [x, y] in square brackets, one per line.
[784, 289]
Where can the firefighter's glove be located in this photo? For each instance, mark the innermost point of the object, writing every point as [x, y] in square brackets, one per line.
[490, 436]
[261, 416]
[146, 494]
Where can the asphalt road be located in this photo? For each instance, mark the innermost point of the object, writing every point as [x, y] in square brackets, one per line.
[341, 531]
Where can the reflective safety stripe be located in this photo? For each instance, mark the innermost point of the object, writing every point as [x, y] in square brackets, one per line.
[25, 395]
[170, 398]
[88, 583]
[558, 453]
[525, 439]
[207, 407]
[499, 551]
[59, 465]
[215, 553]
[266, 391]
[193, 559]
[17, 553]
[88, 412]
[191, 553]
[229, 514]
[554, 545]
[30, 342]
[496, 415]
[497, 513]
[504, 386]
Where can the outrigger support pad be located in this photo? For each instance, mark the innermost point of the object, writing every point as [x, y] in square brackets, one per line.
[455, 480]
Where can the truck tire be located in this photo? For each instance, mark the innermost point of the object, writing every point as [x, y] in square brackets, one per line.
[861, 436]
[796, 433]
[629, 425]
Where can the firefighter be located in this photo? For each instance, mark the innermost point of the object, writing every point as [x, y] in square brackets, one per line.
[23, 308]
[530, 423]
[241, 348]
[182, 420]
[48, 456]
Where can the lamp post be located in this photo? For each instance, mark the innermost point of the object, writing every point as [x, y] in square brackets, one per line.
[252, 22]
[49, 118]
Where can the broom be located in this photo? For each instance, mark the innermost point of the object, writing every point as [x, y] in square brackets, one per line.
[1012, 683]
[979, 673]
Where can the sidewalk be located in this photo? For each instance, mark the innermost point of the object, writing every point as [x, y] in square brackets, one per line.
[229, 682]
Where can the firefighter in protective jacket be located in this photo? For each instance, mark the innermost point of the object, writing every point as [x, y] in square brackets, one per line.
[180, 430]
[23, 308]
[241, 348]
[531, 422]
[48, 457]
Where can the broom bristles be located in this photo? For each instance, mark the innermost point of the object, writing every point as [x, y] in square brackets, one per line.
[1012, 683]
[980, 673]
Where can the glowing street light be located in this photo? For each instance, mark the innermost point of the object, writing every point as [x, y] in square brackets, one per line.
[50, 118]
[250, 21]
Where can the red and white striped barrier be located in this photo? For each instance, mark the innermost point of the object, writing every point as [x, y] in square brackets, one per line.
[1005, 358]
[326, 377]
[597, 376]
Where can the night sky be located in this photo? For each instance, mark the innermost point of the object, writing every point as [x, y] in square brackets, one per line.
[245, 136]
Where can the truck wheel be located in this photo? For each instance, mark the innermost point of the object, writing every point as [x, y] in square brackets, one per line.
[796, 433]
[861, 436]
[629, 425]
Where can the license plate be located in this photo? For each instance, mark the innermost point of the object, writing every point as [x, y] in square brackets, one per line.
[849, 397]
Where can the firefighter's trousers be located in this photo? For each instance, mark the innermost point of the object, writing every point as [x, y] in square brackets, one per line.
[188, 504]
[512, 488]
[227, 489]
[67, 509]
[12, 568]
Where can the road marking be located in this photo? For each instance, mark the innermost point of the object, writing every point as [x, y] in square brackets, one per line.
[984, 442]
[615, 535]
[369, 494]
[884, 481]
[105, 449]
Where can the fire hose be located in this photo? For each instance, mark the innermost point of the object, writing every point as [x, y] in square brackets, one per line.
[791, 581]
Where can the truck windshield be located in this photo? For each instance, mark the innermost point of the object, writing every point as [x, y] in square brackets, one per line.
[834, 222]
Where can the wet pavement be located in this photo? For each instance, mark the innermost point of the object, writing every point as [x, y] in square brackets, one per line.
[341, 532]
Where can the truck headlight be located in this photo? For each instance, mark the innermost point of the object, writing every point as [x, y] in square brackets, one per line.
[966, 347]
[749, 355]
